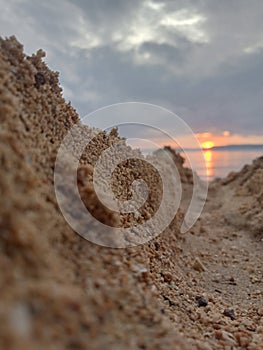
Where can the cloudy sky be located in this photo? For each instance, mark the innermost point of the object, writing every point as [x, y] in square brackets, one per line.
[202, 59]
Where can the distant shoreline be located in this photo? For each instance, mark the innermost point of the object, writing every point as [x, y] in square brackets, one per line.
[227, 148]
[238, 147]
[245, 147]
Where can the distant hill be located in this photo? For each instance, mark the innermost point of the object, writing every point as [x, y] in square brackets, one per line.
[237, 147]
[227, 148]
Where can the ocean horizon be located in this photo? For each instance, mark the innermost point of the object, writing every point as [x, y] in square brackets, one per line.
[222, 160]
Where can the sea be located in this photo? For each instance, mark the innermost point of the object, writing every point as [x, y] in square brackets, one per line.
[220, 161]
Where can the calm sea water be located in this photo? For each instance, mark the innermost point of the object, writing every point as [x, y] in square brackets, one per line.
[219, 163]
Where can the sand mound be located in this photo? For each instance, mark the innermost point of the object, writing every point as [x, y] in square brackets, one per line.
[59, 291]
[243, 197]
[186, 174]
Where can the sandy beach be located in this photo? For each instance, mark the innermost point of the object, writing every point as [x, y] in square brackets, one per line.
[200, 290]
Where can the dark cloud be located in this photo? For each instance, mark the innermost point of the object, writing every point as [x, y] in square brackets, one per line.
[201, 59]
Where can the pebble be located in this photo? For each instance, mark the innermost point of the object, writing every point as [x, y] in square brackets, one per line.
[202, 302]
[229, 313]
[20, 320]
[260, 312]
[198, 266]
[167, 276]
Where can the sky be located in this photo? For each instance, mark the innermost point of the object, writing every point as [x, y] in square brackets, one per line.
[201, 59]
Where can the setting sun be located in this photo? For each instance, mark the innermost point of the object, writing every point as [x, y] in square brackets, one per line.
[208, 144]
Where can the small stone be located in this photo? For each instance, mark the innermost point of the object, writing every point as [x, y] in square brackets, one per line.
[260, 312]
[243, 338]
[20, 320]
[198, 266]
[171, 303]
[218, 334]
[167, 276]
[229, 313]
[202, 302]
[40, 79]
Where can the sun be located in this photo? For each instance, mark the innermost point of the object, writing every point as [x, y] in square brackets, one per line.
[208, 144]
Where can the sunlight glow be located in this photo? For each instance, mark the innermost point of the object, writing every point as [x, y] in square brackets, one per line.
[208, 144]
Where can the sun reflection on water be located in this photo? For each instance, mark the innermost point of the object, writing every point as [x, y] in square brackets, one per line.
[209, 161]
